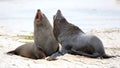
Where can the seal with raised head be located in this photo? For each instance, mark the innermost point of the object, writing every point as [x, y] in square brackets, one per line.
[44, 44]
[43, 35]
[74, 41]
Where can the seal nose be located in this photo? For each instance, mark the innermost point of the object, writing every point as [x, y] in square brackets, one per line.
[59, 15]
[58, 12]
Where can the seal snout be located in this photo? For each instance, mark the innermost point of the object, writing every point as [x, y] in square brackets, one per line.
[58, 12]
[58, 15]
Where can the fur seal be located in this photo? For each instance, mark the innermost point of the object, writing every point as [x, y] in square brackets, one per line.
[43, 35]
[74, 41]
[44, 44]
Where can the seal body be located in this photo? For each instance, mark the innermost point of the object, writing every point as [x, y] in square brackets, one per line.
[43, 36]
[44, 44]
[74, 41]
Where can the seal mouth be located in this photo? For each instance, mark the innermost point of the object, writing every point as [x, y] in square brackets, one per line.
[38, 16]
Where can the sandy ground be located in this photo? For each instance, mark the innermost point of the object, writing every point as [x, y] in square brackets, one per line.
[9, 41]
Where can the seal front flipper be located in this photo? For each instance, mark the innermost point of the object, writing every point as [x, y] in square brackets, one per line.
[53, 56]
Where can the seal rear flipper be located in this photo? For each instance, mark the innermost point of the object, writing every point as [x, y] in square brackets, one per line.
[107, 56]
[11, 52]
[94, 55]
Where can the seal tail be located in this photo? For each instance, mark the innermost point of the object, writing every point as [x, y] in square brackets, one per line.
[11, 52]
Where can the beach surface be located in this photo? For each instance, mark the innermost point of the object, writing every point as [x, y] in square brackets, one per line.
[9, 40]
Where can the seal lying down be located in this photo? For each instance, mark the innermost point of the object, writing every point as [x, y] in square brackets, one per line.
[74, 41]
[44, 44]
